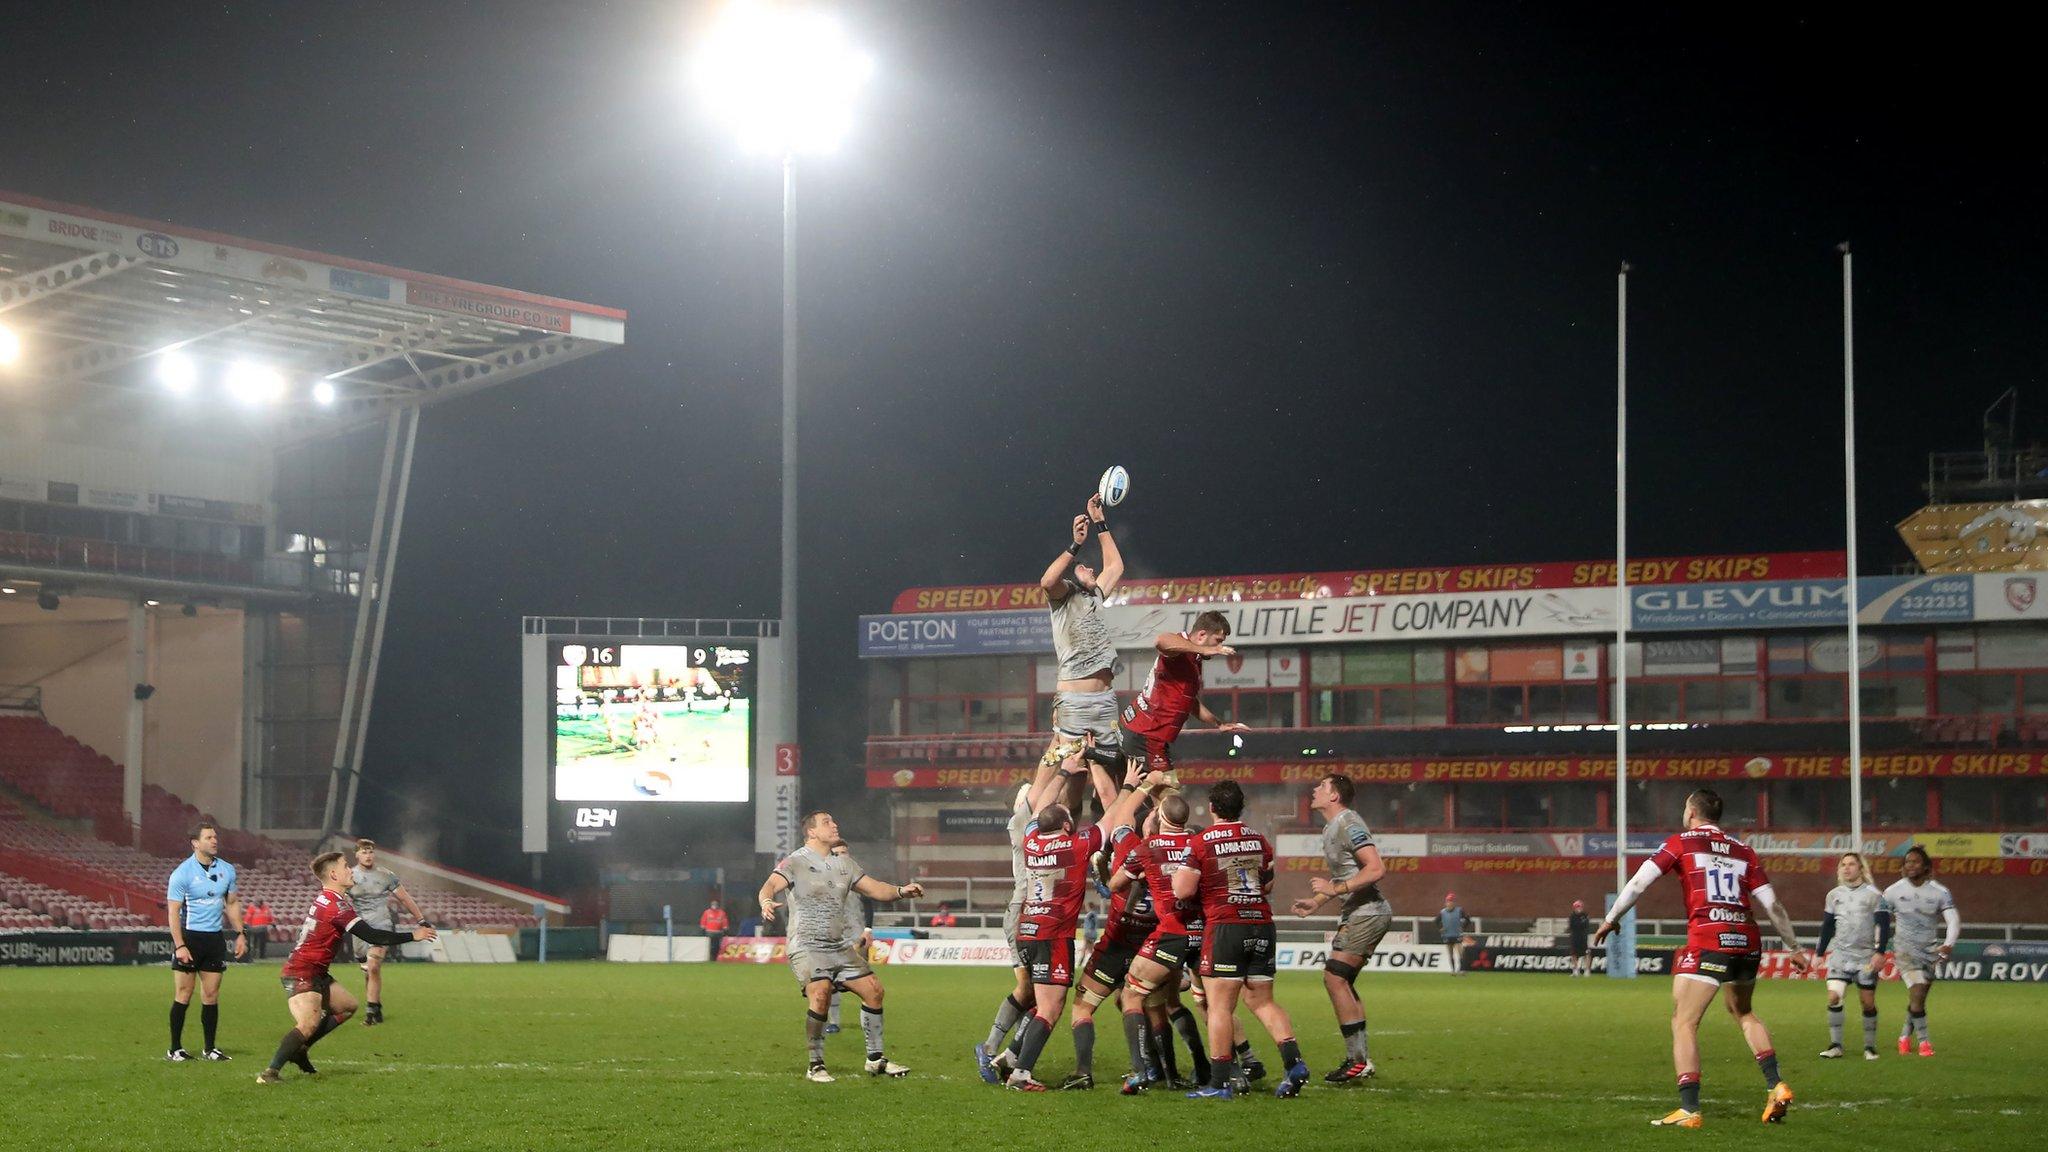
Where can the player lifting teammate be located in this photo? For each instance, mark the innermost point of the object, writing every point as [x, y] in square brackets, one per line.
[1230, 868]
[818, 883]
[1721, 875]
[1056, 854]
[317, 1003]
[1151, 996]
[1129, 921]
[1855, 930]
[1363, 916]
[1922, 908]
[1017, 1002]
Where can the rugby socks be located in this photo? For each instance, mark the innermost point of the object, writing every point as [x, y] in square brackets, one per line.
[871, 1030]
[1184, 1023]
[288, 1049]
[1290, 1052]
[1135, 1033]
[1007, 1015]
[832, 1013]
[1767, 1063]
[1917, 1021]
[1837, 1016]
[814, 1035]
[1689, 1091]
[1221, 1073]
[1870, 1028]
[178, 1025]
[1354, 1041]
[1037, 1030]
[1084, 1048]
[328, 1023]
[1160, 1055]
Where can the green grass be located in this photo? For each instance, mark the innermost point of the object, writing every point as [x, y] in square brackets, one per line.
[595, 1056]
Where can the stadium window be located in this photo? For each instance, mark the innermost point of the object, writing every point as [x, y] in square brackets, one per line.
[1653, 700]
[1969, 803]
[1894, 696]
[923, 678]
[932, 717]
[1546, 703]
[2021, 804]
[2033, 694]
[1575, 805]
[1581, 703]
[1979, 694]
[1529, 807]
[1900, 803]
[1431, 707]
[1805, 697]
[1343, 708]
[1797, 804]
[1701, 699]
[1481, 806]
[1013, 674]
[885, 707]
[1043, 713]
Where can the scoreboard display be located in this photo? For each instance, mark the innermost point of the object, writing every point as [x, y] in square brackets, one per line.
[660, 722]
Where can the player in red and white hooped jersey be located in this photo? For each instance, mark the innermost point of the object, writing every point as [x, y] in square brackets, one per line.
[1056, 854]
[1230, 867]
[1173, 693]
[1721, 876]
[319, 1005]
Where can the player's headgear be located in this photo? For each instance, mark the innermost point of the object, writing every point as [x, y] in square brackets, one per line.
[1212, 621]
[1706, 803]
[1226, 799]
[322, 863]
[1341, 784]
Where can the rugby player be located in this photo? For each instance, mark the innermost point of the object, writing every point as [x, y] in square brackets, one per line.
[1857, 923]
[1230, 867]
[1173, 692]
[1151, 995]
[201, 897]
[1056, 854]
[818, 882]
[1362, 920]
[1721, 875]
[858, 937]
[372, 893]
[319, 1005]
[1917, 902]
[1016, 1004]
[1129, 922]
[1084, 697]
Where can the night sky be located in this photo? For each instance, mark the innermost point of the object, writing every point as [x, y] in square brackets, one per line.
[1336, 284]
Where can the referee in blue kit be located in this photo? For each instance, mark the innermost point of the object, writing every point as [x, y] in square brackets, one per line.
[202, 897]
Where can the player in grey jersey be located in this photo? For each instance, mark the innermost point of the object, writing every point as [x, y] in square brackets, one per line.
[818, 883]
[372, 893]
[1016, 1005]
[1363, 916]
[858, 937]
[1855, 929]
[1084, 698]
[1927, 923]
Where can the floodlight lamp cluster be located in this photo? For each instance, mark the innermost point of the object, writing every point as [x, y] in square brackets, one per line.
[784, 80]
[249, 382]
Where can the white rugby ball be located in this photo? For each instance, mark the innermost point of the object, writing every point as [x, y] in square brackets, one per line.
[1115, 485]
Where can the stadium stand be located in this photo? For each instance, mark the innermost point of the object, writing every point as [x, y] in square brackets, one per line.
[80, 877]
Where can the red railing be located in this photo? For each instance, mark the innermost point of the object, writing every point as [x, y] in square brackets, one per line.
[125, 559]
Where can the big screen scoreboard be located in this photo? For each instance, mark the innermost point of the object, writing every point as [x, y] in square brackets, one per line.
[651, 722]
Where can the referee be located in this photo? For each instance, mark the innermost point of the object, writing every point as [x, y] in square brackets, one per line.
[201, 896]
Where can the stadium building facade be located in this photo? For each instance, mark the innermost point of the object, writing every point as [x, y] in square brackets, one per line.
[1474, 706]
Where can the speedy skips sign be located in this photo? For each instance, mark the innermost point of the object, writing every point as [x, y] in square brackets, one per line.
[1804, 603]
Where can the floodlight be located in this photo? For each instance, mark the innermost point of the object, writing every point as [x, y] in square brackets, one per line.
[323, 393]
[254, 383]
[176, 372]
[783, 80]
[10, 346]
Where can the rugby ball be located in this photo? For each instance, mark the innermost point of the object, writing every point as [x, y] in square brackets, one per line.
[1115, 485]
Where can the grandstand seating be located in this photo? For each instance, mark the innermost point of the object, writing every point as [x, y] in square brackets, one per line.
[74, 783]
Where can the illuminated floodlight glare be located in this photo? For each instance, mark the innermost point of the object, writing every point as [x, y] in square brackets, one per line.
[783, 80]
[253, 383]
[323, 392]
[10, 346]
[176, 372]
